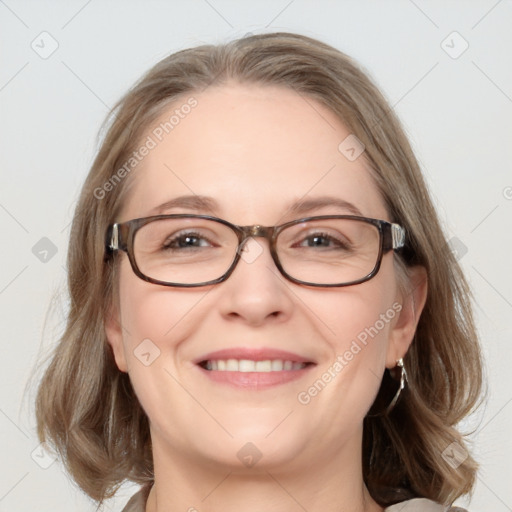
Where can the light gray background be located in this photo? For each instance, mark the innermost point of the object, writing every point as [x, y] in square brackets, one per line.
[457, 111]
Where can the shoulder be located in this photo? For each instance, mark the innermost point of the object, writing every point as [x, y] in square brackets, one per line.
[137, 502]
[421, 505]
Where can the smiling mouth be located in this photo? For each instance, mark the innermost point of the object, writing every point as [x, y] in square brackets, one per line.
[248, 365]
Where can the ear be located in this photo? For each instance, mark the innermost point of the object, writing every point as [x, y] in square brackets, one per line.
[114, 334]
[412, 300]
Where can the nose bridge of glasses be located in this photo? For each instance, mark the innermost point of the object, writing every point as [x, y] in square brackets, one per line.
[253, 232]
[257, 231]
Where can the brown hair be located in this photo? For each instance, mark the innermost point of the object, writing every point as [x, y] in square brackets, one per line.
[87, 408]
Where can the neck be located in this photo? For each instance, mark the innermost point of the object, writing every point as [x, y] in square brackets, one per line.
[332, 483]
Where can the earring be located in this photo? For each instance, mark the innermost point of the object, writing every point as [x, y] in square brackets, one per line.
[388, 395]
[403, 379]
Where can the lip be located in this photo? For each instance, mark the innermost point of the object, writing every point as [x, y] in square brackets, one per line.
[254, 380]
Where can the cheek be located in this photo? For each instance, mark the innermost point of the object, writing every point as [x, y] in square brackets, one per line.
[360, 313]
[149, 311]
[355, 322]
[154, 321]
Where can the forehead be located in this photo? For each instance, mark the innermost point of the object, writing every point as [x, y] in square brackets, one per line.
[255, 150]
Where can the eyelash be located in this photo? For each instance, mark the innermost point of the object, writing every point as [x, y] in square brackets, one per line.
[175, 238]
[328, 237]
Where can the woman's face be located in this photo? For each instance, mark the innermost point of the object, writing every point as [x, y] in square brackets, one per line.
[255, 152]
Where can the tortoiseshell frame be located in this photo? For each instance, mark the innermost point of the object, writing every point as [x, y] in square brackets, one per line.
[120, 236]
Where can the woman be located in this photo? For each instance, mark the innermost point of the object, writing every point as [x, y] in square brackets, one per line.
[264, 312]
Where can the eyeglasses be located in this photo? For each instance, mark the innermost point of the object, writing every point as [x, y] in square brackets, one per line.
[196, 250]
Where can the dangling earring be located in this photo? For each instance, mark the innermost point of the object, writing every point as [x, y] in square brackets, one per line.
[383, 403]
[403, 379]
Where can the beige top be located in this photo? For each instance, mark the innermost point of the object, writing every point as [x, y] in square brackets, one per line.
[138, 504]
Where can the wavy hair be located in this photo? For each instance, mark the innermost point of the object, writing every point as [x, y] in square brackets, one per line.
[87, 409]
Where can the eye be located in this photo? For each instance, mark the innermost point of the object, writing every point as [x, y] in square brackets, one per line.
[318, 240]
[323, 240]
[185, 241]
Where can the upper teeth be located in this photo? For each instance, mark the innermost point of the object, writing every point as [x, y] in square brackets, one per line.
[247, 365]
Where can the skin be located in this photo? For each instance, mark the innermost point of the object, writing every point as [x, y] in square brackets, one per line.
[255, 150]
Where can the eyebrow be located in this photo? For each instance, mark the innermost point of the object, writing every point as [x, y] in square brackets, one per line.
[308, 205]
[191, 202]
[300, 207]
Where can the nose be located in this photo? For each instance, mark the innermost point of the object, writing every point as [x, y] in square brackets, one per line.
[255, 293]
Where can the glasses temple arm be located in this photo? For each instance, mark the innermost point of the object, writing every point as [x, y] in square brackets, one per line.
[397, 236]
[112, 239]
